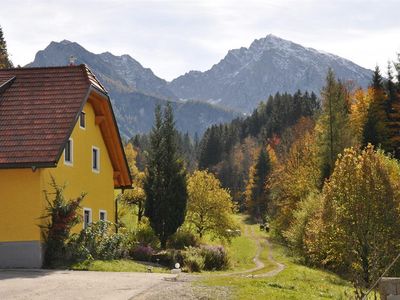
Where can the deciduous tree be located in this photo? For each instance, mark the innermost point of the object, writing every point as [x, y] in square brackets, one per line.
[358, 228]
[210, 207]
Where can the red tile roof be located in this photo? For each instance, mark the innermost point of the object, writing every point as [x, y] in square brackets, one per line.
[38, 110]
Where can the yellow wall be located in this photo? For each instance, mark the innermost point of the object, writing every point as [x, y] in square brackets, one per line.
[79, 177]
[22, 201]
[20, 205]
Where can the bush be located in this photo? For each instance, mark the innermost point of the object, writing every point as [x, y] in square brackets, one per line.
[142, 253]
[215, 258]
[61, 216]
[302, 217]
[145, 236]
[182, 240]
[168, 258]
[193, 259]
[97, 241]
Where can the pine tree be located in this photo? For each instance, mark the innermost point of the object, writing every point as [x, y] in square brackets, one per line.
[393, 113]
[165, 183]
[256, 198]
[5, 62]
[376, 129]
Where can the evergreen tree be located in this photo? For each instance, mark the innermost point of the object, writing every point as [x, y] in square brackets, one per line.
[393, 113]
[165, 183]
[375, 129]
[5, 62]
[256, 199]
[390, 85]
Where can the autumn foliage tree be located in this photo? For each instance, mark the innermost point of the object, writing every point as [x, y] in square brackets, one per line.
[135, 196]
[210, 207]
[332, 127]
[295, 177]
[357, 229]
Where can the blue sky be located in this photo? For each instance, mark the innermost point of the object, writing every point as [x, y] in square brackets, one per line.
[174, 37]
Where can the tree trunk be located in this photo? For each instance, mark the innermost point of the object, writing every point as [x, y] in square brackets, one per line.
[163, 241]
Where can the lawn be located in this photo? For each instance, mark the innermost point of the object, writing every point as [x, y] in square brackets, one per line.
[121, 265]
[294, 282]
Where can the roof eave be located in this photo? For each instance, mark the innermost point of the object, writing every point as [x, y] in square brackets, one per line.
[28, 165]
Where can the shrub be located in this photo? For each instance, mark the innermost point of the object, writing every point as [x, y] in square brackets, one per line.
[98, 241]
[61, 217]
[145, 236]
[302, 217]
[215, 258]
[168, 258]
[142, 253]
[182, 240]
[193, 259]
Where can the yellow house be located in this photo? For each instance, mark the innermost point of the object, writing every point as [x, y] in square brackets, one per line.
[54, 121]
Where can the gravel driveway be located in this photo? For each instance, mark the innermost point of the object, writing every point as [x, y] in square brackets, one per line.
[62, 285]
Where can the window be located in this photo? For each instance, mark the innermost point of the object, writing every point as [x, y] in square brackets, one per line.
[87, 217]
[68, 152]
[103, 215]
[82, 120]
[95, 159]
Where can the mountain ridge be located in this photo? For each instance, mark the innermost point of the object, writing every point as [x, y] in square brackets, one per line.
[245, 76]
[134, 90]
[234, 85]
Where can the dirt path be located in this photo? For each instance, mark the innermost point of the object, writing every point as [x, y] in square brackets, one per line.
[259, 264]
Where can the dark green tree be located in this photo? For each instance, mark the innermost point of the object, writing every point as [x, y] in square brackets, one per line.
[5, 61]
[375, 129]
[256, 191]
[165, 182]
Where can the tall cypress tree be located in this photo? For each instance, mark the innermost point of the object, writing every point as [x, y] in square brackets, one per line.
[5, 62]
[165, 183]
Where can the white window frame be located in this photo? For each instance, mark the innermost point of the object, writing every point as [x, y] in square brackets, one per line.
[97, 159]
[71, 150]
[90, 216]
[105, 214]
[80, 119]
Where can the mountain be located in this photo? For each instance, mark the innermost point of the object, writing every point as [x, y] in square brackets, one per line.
[246, 76]
[119, 73]
[134, 90]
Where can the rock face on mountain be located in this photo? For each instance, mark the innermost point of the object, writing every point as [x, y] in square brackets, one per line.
[246, 76]
[242, 79]
[134, 90]
[121, 73]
